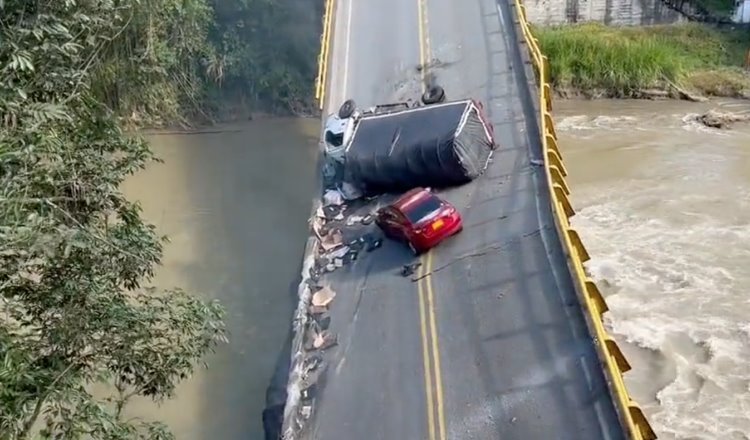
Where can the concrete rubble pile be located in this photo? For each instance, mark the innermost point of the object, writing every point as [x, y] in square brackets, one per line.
[340, 239]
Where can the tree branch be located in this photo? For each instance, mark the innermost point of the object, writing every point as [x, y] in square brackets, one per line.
[123, 399]
[43, 397]
[94, 236]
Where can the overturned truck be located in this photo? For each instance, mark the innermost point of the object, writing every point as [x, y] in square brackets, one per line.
[402, 147]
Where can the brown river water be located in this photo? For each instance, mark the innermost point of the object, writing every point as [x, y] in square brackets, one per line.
[235, 206]
[663, 206]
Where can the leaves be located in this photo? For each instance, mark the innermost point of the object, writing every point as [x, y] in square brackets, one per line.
[21, 61]
[75, 254]
[173, 60]
[268, 50]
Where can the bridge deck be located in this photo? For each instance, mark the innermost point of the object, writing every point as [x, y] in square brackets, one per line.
[514, 358]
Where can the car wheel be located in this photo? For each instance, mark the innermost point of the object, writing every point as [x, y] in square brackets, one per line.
[414, 250]
[433, 95]
[347, 109]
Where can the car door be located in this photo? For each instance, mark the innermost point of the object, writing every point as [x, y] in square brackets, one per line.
[400, 225]
[388, 222]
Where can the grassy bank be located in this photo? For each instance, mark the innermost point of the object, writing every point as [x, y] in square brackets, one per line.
[595, 60]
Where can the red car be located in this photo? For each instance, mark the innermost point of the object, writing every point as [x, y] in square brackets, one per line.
[420, 218]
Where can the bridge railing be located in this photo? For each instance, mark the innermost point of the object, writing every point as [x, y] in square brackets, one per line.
[325, 46]
[631, 415]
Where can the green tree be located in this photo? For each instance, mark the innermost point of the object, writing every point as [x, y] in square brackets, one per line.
[74, 253]
[266, 51]
[153, 71]
[175, 61]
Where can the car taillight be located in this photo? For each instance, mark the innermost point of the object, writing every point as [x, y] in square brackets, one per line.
[432, 228]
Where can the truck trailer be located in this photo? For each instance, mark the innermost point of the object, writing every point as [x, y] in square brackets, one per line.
[398, 147]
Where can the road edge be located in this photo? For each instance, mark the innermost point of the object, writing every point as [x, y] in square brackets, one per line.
[291, 422]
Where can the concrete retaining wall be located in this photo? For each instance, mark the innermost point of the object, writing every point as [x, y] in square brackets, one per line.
[609, 12]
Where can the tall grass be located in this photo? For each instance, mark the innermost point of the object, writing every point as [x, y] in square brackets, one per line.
[624, 60]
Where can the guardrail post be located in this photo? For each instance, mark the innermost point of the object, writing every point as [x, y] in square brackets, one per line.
[563, 199]
[558, 178]
[583, 254]
[596, 296]
[616, 353]
[633, 420]
[641, 422]
[552, 145]
[555, 161]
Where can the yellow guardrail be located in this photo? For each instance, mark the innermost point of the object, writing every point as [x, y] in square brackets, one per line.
[325, 44]
[631, 415]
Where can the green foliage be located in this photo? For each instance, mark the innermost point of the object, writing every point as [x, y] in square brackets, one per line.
[176, 60]
[151, 70]
[624, 60]
[266, 50]
[716, 8]
[74, 253]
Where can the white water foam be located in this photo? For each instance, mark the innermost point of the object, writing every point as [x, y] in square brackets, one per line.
[674, 272]
[670, 249]
[585, 122]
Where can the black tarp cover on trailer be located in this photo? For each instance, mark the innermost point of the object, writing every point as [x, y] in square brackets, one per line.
[439, 145]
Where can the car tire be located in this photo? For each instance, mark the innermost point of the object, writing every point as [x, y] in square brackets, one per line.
[414, 250]
[433, 95]
[347, 109]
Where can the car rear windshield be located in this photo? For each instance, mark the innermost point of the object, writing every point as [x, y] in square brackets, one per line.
[422, 209]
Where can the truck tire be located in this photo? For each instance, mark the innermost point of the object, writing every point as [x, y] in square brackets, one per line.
[347, 109]
[433, 95]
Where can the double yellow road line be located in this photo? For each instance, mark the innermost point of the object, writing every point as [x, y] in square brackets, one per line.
[426, 296]
[433, 383]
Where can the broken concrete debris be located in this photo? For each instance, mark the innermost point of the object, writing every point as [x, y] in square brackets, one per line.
[339, 240]
[349, 191]
[306, 411]
[338, 253]
[333, 197]
[318, 336]
[368, 242]
[323, 297]
[332, 239]
[324, 339]
[353, 219]
[320, 340]
[409, 269]
[317, 310]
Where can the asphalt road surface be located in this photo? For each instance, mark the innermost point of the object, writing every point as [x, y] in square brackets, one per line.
[491, 342]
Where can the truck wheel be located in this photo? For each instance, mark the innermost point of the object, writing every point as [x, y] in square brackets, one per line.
[347, 109]
[433, 95]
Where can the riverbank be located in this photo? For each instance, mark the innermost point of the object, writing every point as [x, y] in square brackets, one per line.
[670, 61]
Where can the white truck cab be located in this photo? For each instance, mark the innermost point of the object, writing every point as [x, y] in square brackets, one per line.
[337, 135]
